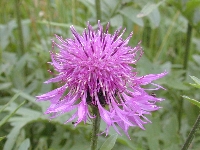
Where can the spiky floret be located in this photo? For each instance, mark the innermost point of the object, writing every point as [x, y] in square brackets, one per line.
[95, 68]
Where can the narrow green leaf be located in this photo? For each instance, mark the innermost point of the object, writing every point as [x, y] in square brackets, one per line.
[24, 145]
[147, 9]
[193, 101]
[195, 79]
[153, 130]
[61, 25]
[4, 86]
[131, 14]
[12, 137]
[12, 99]
[116, 21]
[4, 120]
[27, 97]
[170, 127]
[154, 18]
[195, 85]
[109, 143]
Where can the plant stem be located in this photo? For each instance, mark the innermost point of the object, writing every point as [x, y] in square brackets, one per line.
[187, 48]
[95, 127]
[185, 66]
[191, 134]
[74, 12]
[96, 121]
[98, 9]
[19, 24]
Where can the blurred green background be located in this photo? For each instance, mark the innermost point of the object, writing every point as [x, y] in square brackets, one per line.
[170, 35]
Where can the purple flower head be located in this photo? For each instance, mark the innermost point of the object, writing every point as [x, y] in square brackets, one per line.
[95, 69]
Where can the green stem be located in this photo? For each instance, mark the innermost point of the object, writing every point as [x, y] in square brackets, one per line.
[187, 48]
[191, 134]
[185, 66]
[51, 31]
[98, 9]
[95, 127]
[97, 120]
[74, 12]
[21, 39]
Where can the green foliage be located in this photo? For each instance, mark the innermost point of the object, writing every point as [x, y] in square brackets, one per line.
[162, 28]
[190, 9]
[109, 143]
[197, 85]
[193, 101]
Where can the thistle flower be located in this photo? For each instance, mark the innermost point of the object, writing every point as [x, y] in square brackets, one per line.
[96, 68]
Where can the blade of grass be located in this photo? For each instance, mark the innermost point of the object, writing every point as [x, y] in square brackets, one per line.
[27, 97]
[164, 41]
[60, 25]
[12, 99]
[5, 119]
